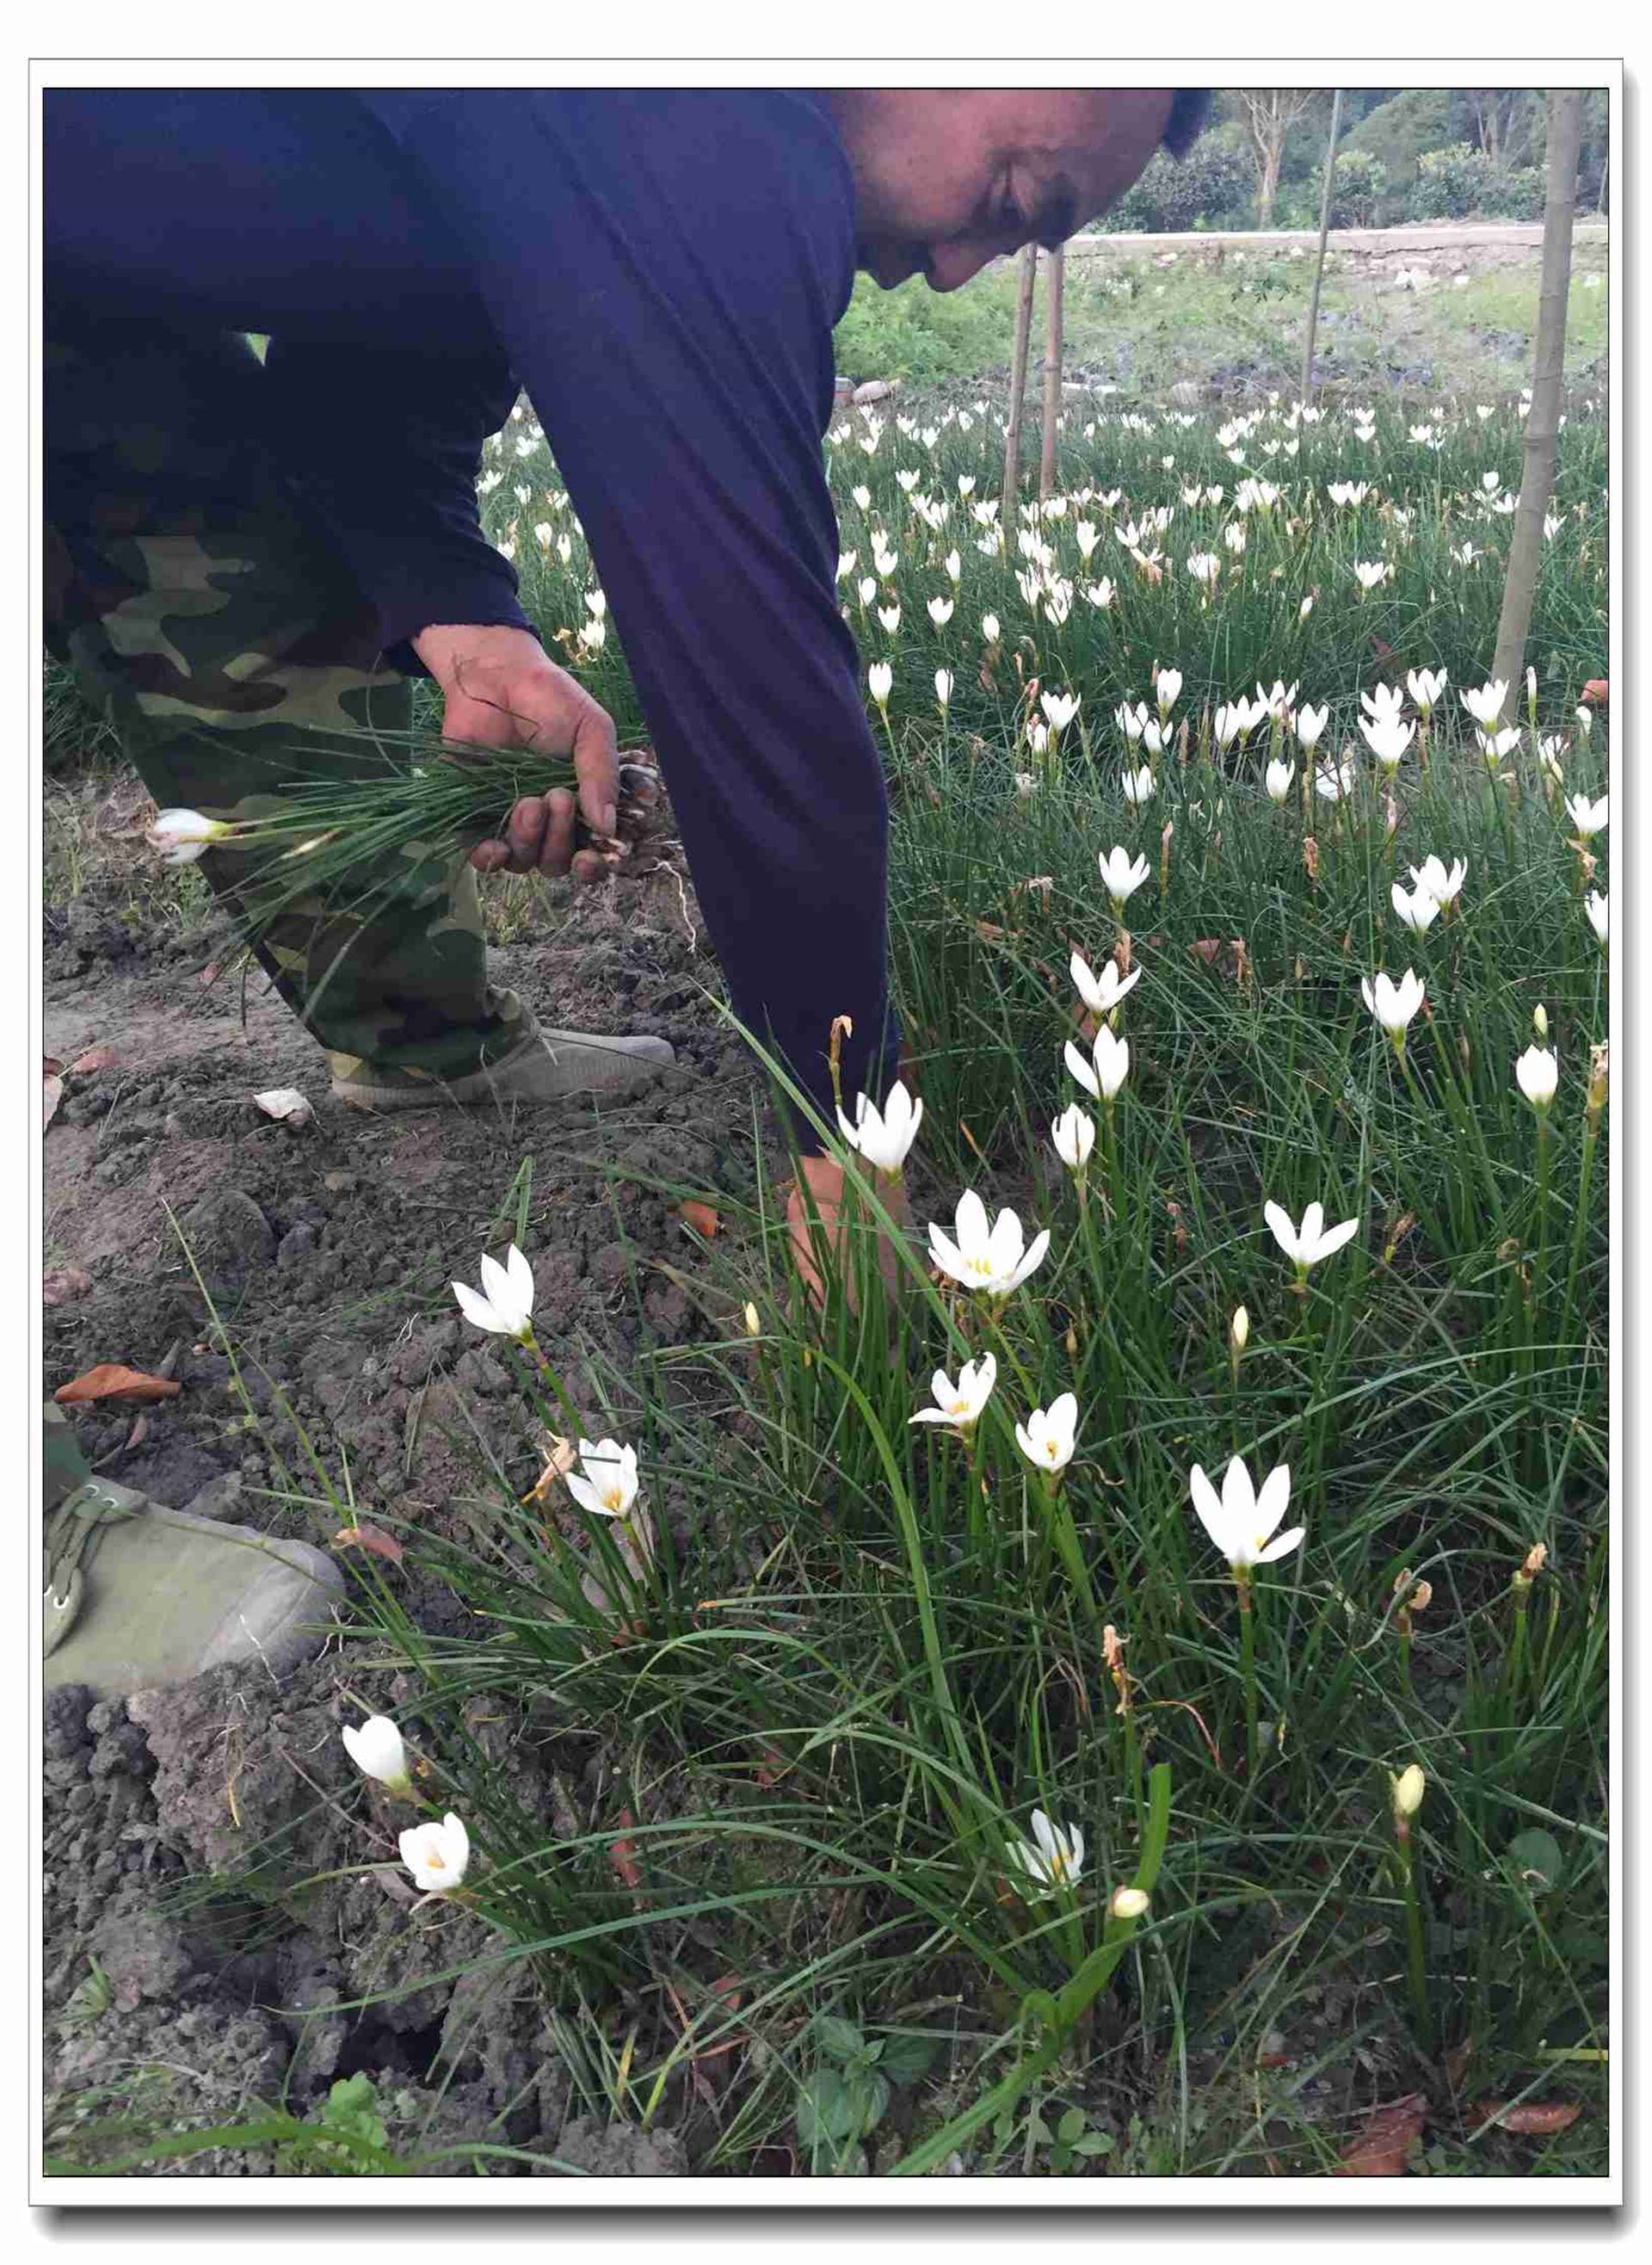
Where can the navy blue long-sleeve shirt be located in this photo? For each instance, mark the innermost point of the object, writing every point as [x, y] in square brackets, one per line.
[661, 271]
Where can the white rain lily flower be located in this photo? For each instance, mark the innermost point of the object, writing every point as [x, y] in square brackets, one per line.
[1314, 1241]
[1383, 703]
[1100, 594]
[992, 1257]
[1139, 787]
[1277, 702]
[1242, 1522]
[504, 1306]
[437, 1855]
[1277, 778]
[1485, 703]
[1495, 744]
[1311, 722]
[883, 1137]
[1585, 720]
[1060, 707]
[943, 686]
[989, 627]
[1026, 785]
[1387, 740]
[1417, 911]
[1442, 886]
[1052, 1859]
[1334, 781]
[959, 1405]
[1551, 749]
[1074, 1136]
[1595, 906]
[1425, 685]
[1167, 688]
[377, 1751]
[1204, 566]
[1369, 572]
[606, 1488]
[1393, 1004]
[867, 589]
[890, 617]
[1131, 721]
[1121, 876]
[1101, 994]
[1537, 1073]
[1046, 1438]
[1589, 817]
[1152, 737]
[879, 679]
[180, 836]
[1109, 1065]
[940, 611]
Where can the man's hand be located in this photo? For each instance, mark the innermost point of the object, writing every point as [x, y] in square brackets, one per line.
[500, 690]
[824, 1181]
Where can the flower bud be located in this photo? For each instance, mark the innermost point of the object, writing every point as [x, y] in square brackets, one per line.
[1408, 1791]
[753, 1324]
[1128, 1903]
[1239, 1329]
[1599, 1080]
[1540, 1021]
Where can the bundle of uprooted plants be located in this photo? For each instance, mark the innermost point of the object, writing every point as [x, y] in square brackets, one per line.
[398, 810]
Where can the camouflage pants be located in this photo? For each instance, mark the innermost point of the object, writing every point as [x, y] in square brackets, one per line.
[232, 651]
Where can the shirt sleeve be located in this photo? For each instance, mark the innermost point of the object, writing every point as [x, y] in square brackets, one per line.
[382, 448]
[664, 271]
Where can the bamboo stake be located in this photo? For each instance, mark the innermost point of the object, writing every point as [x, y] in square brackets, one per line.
[1542, 427]
[1054, 277]
[1319, 265]
[1017, 391]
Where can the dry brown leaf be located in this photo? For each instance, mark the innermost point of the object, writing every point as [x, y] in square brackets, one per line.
[111, 1381]
[53, 1093]
[372, 1539]
[1537, 2115]
[989, 931]
[93, 1060]
[1381, 2150]
[1311, 856]
[702, 1217]
[1206, 948]
[208, 974]
[622, 1856]
[62, 1283]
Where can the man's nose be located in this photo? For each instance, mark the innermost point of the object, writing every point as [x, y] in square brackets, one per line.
[951, 264]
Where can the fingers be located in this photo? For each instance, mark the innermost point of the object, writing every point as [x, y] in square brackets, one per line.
[596, 763]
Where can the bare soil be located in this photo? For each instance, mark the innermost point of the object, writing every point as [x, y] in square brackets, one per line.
[327, 1252]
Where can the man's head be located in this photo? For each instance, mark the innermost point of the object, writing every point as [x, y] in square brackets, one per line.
[947, 178]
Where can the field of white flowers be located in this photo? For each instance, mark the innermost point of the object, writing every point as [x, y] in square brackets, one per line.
[1131, 1696]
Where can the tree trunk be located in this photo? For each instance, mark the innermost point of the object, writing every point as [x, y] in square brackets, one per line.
[1542, 427]
[1319, 265]
[1017, 393]
[1054, 276]
[1268, 189]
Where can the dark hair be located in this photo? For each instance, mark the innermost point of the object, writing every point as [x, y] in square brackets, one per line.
[1188, 115]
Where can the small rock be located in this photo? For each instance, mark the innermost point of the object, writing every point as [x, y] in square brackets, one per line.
[218, 1498]
[227, 1229]
[876, 389]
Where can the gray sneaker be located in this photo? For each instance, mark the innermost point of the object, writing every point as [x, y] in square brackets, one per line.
[139, 1595]
[555, 1066]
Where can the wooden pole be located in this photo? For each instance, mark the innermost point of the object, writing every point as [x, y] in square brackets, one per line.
[1054, 277]
[1542, 427]
[1018, 394]
[1319, 265]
